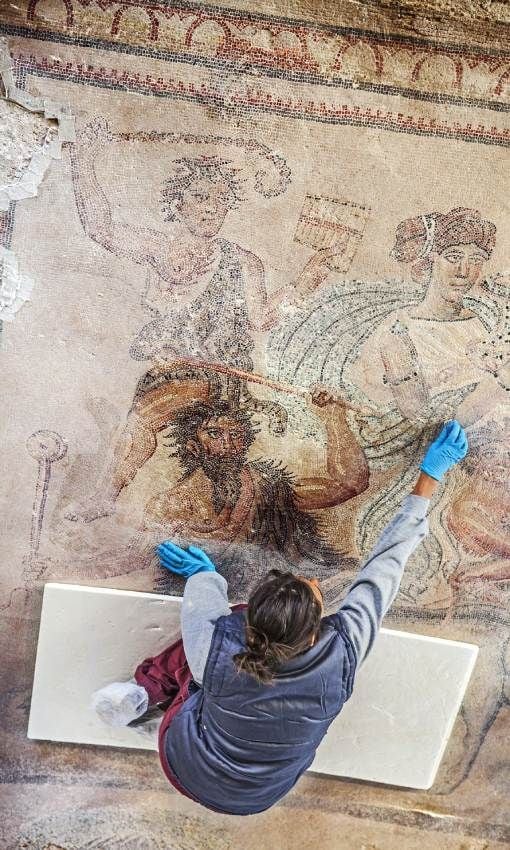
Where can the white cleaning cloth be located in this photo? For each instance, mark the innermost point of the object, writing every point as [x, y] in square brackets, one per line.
[119, 703]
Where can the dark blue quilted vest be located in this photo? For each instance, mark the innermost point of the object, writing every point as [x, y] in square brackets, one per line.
[238, 746]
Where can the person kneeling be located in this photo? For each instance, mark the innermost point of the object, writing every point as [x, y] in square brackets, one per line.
[249, 693]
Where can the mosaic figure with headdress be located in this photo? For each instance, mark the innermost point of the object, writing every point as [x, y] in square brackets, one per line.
[420, 350]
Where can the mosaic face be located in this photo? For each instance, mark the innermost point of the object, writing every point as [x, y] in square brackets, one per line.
[457, 269]
[220, 437]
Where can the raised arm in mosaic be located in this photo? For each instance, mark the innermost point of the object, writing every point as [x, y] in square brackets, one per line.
[139, 244]
[346, 473]
[264, 307]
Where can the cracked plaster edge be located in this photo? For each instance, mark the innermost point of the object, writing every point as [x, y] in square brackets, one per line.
[28, 184]
[15, 287]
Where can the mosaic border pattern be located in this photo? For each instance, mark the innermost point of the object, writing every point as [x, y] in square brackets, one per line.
[257, 44]
[256, 100]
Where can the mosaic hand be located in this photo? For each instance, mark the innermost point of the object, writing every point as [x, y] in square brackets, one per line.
[316, 271]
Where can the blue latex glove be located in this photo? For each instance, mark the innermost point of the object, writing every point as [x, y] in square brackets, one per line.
[446, 450]
[184, 562]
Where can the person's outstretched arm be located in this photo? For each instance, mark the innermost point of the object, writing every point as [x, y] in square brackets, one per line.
[376, 585]
[205, 599]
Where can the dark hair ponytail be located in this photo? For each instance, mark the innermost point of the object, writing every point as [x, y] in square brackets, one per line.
[282, 620]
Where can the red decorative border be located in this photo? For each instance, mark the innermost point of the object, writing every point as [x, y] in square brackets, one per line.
[253, 97]
[284, 47]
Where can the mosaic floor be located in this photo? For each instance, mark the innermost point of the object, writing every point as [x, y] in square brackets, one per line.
[218, 225]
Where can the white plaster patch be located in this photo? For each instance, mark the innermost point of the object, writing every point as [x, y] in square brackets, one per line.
[396, 725]
[89, 637]
[393, 730]
[25, 181]
[15, 287]
[27, 146]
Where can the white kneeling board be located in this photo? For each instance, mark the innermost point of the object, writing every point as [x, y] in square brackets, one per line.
[393, 730]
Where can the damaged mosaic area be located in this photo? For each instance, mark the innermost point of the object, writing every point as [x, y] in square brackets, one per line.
[249, 271]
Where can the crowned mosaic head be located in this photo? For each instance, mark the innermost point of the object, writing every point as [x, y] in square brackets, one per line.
[205, 187]
[201, 193]
[447, 250]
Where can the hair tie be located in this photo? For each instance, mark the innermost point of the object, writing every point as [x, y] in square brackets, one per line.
[258, 643]
[429, 223]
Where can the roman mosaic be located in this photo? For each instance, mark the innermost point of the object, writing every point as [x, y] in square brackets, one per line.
[256, 295]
